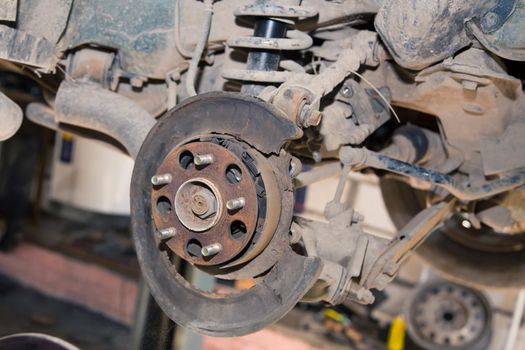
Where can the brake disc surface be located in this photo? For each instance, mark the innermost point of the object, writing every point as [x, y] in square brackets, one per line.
[224, 204]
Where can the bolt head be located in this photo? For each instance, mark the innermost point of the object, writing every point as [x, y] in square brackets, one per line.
[315, 118]
[491, 19]
[466, 224]
[199, 204]
[309, 116]
[347, 91]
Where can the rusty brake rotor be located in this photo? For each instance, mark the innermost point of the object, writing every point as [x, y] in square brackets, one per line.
[208, 204]
[211, 185]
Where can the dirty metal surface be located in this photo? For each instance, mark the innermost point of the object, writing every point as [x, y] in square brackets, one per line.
[26, 48]
[482, 100]
[274, 238]
[8, 10]
[141, 30]
[268, 9]
[432, 30]
[44, 18]
[476, 258]
[91, 64]
[507, 37]
[272, 213]
[289, 275]
[497, 15]
[511, 143]
[221, 230]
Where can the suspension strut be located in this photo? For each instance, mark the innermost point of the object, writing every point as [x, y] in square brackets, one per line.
[264, 60]
[271, 36]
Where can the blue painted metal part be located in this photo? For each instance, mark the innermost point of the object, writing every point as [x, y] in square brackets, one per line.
[140, 30]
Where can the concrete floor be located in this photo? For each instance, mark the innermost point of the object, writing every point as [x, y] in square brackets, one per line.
[25, 310]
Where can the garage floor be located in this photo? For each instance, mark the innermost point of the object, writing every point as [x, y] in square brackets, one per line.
[23, 309]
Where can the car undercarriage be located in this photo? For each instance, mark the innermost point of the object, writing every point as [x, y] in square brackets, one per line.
[228, 107]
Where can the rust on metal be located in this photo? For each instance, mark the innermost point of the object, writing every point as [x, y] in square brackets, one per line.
[232, 229]
[273, 211]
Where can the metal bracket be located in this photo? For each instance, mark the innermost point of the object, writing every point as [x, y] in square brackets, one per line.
[496, 16]
[362, 157]
[8, 10]
[386, 266]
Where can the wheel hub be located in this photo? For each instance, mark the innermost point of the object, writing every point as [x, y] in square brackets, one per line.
[198, 204]
[212, 185]
[215, 200]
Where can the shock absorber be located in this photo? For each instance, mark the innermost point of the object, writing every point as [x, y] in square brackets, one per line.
[271, 36]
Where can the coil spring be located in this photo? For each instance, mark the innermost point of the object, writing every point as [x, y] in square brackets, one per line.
[294, 40]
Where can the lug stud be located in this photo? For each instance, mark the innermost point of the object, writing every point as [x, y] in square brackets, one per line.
[203, 159]
[167, 233]
[162, 179]
[236, 203]
[211, 249]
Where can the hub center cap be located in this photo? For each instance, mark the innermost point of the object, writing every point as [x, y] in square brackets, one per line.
[198, 204]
